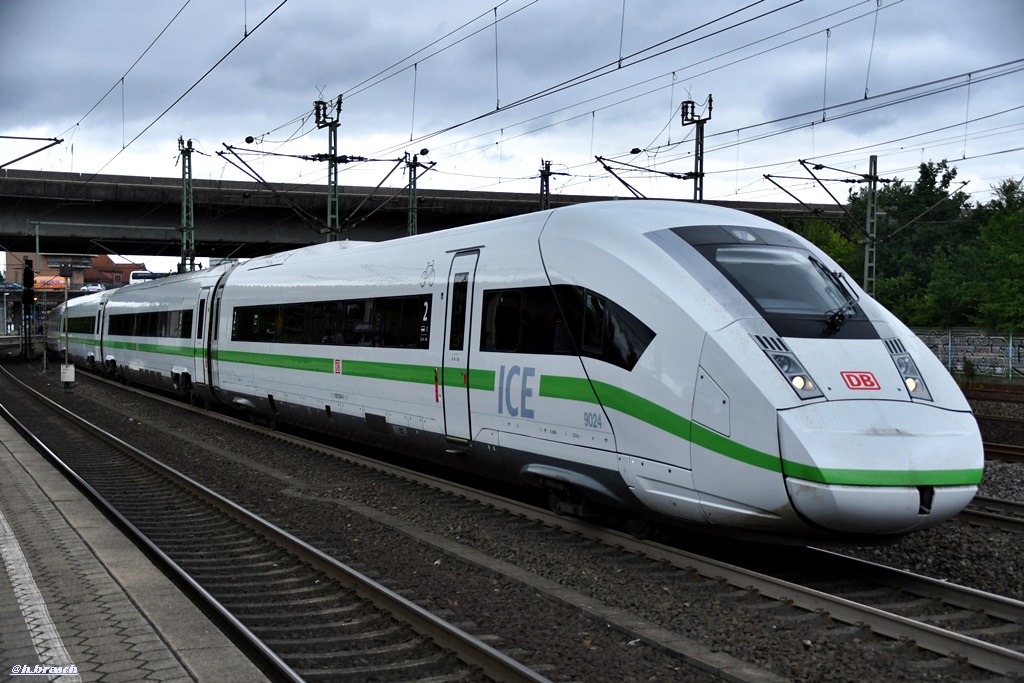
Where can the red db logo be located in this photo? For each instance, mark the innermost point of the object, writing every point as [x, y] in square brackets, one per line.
[860, 380]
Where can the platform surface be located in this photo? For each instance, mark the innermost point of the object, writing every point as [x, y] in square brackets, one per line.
[80, 602]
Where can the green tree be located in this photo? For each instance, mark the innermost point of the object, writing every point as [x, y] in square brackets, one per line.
[956, 290]
[1001, 244]
[833, 243]
[918, 226]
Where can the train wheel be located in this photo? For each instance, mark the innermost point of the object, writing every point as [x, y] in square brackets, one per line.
[567, 500]
[639, 526]
[555, 502]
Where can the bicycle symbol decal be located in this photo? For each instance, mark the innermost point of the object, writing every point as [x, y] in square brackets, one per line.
[427, 277]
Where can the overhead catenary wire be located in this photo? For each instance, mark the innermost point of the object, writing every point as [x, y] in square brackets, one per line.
[637, 57]
[120, 81]
[188, 90]
[592, 99]
[661, 153]
[612, 67]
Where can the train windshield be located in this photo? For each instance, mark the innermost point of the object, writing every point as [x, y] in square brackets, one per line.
[794, 290]
[797, 294]
[782, 280]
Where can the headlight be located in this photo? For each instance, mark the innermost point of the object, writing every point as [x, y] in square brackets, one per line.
[908, 370]
[789, 366]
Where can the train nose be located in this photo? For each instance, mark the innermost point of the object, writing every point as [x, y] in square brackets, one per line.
[879, 467]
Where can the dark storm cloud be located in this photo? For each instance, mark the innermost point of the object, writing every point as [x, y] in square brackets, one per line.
[57, 60]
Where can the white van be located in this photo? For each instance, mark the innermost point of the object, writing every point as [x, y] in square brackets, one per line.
[143, 276]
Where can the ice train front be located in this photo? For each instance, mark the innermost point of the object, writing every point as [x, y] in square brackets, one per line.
[874, 436]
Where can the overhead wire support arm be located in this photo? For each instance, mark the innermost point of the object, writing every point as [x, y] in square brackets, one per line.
[816, 212]
[308, 218]
[52, 141]
[349, 218]
[803, 162]
[818, 167]
[636, 193]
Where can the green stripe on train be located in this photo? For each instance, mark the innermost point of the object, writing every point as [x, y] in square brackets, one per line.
[275, 360]
[628, 403]
[482, 380]
[615, 398]
[851, 477]
[86, 341]
[620, 400]
[165, 349]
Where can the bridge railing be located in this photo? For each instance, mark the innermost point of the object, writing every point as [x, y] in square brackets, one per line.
[978, 357]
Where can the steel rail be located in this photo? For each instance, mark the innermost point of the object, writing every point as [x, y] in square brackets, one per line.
[1003, 451]
[1007, 515]
[466, 647]
[941, 641]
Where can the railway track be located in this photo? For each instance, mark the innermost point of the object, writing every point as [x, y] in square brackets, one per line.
[994, 512]
[934, 615]
[1009, 394]
[999, 420]
[1004, 452]
[302, 614]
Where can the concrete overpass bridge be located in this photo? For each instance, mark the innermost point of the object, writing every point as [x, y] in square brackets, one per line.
[63, 213]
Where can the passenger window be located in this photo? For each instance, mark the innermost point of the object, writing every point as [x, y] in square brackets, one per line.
[601, 328]
[403, 319]
[359, 327]
[460, 298]
[268, 323]
[245, 324]
[323, 323]
[501, 320]
[593, 325]
[524, 320]
[293, 324]
[199, 326]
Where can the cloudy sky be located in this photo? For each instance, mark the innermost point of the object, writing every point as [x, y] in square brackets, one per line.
[492, 90]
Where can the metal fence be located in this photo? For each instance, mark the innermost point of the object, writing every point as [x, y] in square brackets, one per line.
[974, 356]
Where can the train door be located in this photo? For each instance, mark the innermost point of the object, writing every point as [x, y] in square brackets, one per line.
[212, 370]
[455, 362]
[200, 357]
[100, 358]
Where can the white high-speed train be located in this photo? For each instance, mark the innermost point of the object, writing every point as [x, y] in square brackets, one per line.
[678, 363]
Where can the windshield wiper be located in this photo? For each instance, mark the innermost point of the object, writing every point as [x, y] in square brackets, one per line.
[835, 317]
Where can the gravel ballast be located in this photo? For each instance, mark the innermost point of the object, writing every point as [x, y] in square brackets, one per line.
[301, 491]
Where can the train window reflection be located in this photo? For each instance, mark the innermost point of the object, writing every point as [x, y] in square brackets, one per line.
[557, 320]
[460, 298]
[780, 280]
[593, 324]
[395, 322]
